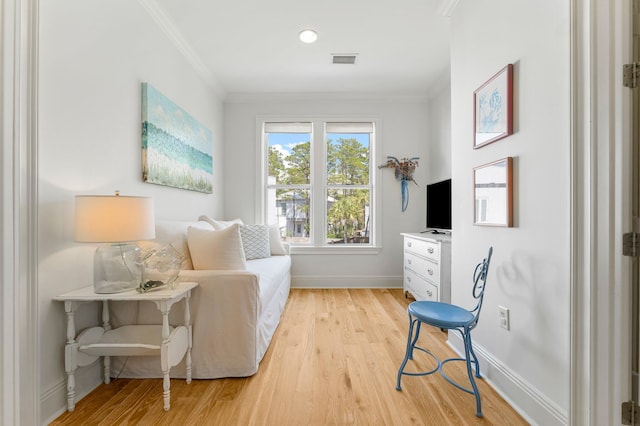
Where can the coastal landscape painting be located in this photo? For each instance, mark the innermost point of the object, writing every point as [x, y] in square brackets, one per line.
[177, 150]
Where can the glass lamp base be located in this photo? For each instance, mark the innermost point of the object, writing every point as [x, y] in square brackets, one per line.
[116, 268]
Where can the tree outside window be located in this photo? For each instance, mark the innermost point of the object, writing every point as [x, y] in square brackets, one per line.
[339, 173]
[347, 207]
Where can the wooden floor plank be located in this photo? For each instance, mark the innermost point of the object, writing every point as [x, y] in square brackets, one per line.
[332, 361]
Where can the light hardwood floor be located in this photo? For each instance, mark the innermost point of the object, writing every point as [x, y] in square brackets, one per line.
[332, 361]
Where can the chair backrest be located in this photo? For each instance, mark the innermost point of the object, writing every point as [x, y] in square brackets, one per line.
[479, 284]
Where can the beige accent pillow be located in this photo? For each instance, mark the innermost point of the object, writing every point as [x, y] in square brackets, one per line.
[216, 249]
[175, 233]
[277, 248]
[220, 224]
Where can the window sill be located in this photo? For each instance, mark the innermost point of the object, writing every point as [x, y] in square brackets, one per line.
[322, 250]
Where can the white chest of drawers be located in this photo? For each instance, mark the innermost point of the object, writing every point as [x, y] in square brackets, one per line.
[427, 266]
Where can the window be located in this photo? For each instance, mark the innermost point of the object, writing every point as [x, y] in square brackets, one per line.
[348, 189]
[288, 167]
[318, 182]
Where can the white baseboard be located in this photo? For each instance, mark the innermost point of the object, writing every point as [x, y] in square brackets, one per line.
[528, 401]
[345, 281]
[53, 401]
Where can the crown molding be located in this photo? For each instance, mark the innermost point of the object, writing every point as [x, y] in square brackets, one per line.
[171, 31]
[240, 97]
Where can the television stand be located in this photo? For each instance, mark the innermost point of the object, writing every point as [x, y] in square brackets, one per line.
[427, 266]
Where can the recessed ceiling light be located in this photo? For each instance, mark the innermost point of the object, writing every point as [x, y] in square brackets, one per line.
[308, 36]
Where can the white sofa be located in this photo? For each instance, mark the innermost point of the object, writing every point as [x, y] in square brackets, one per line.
[234, 313]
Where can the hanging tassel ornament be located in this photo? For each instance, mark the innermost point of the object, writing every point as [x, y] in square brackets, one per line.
[404, 169]
[404, 186]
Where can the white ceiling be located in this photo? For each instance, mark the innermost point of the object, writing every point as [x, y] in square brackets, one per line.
[252, 46]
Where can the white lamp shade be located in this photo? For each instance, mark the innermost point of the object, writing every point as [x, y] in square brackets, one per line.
[113, 219]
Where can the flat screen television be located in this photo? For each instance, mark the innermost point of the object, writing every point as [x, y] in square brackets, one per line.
[439, 206]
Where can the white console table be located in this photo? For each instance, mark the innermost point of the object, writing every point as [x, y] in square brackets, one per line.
[170, 343]
[427, 266]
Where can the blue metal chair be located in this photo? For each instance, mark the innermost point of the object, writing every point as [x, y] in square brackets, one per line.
[449, 317]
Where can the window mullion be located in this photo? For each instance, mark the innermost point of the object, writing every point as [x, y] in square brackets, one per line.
[299, 186]
[319, 176]
[334, 186]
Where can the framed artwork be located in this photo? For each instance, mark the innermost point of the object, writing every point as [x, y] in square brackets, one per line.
[493, 192]
[493, 108]
[177, 150]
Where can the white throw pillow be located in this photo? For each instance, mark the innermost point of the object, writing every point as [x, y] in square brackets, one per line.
[276, 246]
[255, 241]
[175, 233]
[220, 224]
[216, 249]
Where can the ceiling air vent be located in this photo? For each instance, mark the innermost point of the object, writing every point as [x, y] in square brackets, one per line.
[343, 58]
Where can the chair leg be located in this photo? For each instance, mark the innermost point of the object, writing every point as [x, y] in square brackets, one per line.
[411, 341]
[418, 324]
[475, 358]
[468, 353]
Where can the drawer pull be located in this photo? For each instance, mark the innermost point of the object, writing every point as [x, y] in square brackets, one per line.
[430, 250]
[409, 244]
[408, 279]
[409, 261]
[430, 271]
[430, 293]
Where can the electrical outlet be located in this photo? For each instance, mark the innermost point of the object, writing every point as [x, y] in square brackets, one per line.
[504, 317]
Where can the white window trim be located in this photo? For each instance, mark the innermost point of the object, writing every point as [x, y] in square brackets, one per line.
[319, 153]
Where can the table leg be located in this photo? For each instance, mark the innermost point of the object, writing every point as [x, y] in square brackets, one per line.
[107, 369]
[187, 323]
[164, 355]
[106, 324]
[70, 355]
[71, 364]
[166, 383]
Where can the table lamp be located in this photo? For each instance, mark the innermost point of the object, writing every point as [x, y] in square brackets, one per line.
[118, 221]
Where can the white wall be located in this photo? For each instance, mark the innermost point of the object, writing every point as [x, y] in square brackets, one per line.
[439, 162]
[93, 57]
[404, 133]
[530, 271]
